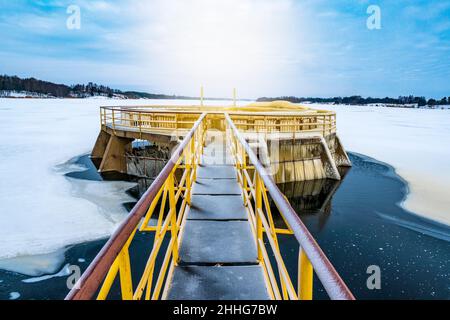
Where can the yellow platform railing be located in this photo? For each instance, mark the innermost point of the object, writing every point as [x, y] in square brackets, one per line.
[323, 124]
[168, 120]
[127, 119]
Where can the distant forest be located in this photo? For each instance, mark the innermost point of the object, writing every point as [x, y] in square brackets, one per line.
[358, 100]
[49, 89]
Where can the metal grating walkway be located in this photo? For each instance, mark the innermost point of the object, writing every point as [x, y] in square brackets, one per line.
[218, 257]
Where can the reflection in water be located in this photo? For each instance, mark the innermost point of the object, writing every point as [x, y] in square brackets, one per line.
[312, 197]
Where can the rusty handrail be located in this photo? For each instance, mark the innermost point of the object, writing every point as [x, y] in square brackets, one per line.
[90, 281]
[330, 279]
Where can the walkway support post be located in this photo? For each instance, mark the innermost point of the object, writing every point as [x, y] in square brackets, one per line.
[305, 276]
[259, 226]
[173, 216]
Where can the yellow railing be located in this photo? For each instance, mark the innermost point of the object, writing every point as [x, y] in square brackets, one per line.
[257, 185]
[171, 192]
[118, 118]
[168, 121]
[323, 124]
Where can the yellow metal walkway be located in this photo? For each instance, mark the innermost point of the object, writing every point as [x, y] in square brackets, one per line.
[211, 213]
[218, 256]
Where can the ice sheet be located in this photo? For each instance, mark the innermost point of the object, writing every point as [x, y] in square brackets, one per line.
[415, 141]
[34, 265]
[41, 210]
[65, 271]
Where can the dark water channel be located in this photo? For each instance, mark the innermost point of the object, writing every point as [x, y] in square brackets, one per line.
[358, 222]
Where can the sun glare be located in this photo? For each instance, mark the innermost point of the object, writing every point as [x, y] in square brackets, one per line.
[223, 44]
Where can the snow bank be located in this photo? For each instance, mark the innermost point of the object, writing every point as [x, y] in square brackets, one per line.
[42, 211]
[415, 141]
[34, 265]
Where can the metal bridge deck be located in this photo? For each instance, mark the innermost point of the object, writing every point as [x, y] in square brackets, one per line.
[218, 257]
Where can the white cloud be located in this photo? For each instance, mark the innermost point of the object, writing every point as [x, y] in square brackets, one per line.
[262, 47]
[220, 44]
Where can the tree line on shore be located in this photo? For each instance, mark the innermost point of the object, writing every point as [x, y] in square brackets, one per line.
[49, 89]
[358, 100]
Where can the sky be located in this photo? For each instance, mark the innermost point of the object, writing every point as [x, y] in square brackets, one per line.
[261, 47]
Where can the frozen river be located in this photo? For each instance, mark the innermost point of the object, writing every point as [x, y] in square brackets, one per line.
[42, 211]
[416, 142]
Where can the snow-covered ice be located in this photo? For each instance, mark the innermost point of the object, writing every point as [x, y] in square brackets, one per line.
[65, 271]
[416, 142]
[41, 210]
[34, 265]
[14, 295]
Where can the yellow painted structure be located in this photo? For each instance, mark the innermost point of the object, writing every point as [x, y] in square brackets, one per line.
[168, 201]
[297, 143]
